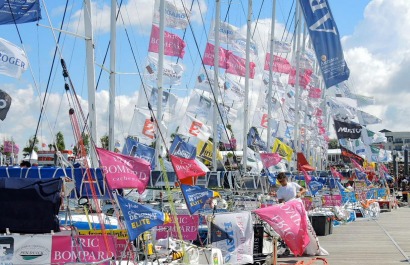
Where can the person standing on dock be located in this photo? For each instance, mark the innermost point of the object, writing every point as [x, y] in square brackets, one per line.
[288, 190]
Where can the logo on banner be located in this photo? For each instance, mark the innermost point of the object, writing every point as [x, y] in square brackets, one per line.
[148, 129]
[6, 248]
[264, 121]
[33, 254]
[195, 128]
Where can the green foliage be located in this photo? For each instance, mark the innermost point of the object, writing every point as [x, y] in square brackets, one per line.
[333, 144]
[105, 142]
[32, 145]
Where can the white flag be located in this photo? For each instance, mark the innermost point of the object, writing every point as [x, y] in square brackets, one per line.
[227, 32]
[172, 72]
[169, 100]
[233, 92]
[175, 16]
[200, 105]
[368, 118]
[205, 81]
[192, 127]
[282, 47]
[342, 109]
[13, 60]
[142, 126]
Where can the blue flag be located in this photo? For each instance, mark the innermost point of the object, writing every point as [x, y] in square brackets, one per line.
[360, 175]
[196, 197]
[218, 234]
[139, 218]
[182, 149]
[314, 187]
[255, 140]
[326, 41]
[136, 149]
[129, 143]
[19, 11]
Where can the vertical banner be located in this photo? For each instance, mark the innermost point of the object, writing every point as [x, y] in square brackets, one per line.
[239, 226]
[326, 41]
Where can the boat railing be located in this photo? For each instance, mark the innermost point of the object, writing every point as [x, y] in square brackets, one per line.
[100, 262]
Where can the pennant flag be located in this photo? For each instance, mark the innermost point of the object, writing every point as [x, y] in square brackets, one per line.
[205, 81]
[315, 93]
[173, 44]
[342, 109]
[209, 56]
[129, 143]
[169, 100]
[19, 11]
[303, 164]
[233, 92]
[182, 149]
[139, 218]
[145, 152]
[284, 150]
[356, 164]
[270, 159]
[304, 77]
[368, 119]
[326, 41]
[5, 103]
[314, 187]
[175, 16]
[282, 47]
[196, 196]
[218, 234]
[347, 130]
[13, 60]
[200, 105]
[341, 188]
[123, 171]
[186, 168]
[308, 178]
[335, 173]
[346, 154]
[293, 217]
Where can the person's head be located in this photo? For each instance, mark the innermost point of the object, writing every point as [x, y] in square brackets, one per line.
[25, 164]
[282, 179]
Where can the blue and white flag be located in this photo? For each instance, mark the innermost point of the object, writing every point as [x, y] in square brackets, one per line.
[326, 41]
[139, 218]
[360, 175]
[19, 11]
[314, 187]
[255, 140]
[13, 60]
[182, 149]
[196, 197]
[136, 149]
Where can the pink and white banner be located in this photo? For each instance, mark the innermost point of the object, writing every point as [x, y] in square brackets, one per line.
[237, 66]
[270, 159]
[280, 64]
[173, 44]
[186, 168]
[304, 77]
[188, 224]
[332, 200]
[209, 56]
[123, 171]
[315, 92]
[289, 220]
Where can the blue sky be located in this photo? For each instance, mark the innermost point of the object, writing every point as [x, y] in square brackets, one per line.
[374, 38]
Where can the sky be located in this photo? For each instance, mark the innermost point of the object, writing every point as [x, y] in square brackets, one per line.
[373, 33]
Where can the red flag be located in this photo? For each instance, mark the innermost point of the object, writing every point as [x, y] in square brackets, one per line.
[236, 66]
[335, 173]
[186, 168]
[209, 56]
[280, 64]
[315, 92]
[123, 171]
[304, 77]
[173, 44]
[289, 220]
[303, 163]
[270, 159]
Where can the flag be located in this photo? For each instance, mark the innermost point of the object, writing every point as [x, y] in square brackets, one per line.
[360, 174]
[142, 126]
[123, 171]
[356, 164]
[335, 173]
[5, 103]
[227, 32]
[171, 73]
[205, 151]
[129, 143]
[209, 56]
[173, 44]
[193, 127]
[205, 81]
[139, 218]
[19, 11]
[368, 119]
[10, 147]
[314, 187]
[182, 149]
[315, 93]
[233, 92]
[282, 47]
[289, 220]
[186, 168]
[342, 109]
[145, 152]
[270, 159]
[348, 130]
[304, 77]
[218, 234]
[236, 66]
[254, 140]
[13, 60]
[200, 106]
[280, 64]
[326, 41]
[283, 149]
[196, 197]
[175, 16]
[169, 100]
[303, 164]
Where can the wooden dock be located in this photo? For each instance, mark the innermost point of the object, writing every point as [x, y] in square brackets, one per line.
[365, 241]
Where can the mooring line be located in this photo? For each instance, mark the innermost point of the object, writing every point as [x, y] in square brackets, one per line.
[394, 242]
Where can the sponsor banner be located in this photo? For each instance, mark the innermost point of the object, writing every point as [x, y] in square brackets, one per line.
[187, 223]
[171, 73]
[209, 56]
[238, 249]
[175, 16]
[347, 130]
[280, 64]
[173, 44]
[332, 200]
[13, 60]
[17, 12]
[237, 66]
[36, 249]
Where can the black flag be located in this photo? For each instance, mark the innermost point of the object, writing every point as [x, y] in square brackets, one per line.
[5, 102]
[348, 130]
[218, 234]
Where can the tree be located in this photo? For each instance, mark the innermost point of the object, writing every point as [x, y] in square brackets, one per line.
[60, 141]
[105, 142]
[32, 145]
[333, 144]
[86, 142]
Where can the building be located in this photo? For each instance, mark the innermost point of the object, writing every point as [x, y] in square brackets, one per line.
[396, 141]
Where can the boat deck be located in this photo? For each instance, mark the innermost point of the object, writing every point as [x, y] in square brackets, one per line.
[365, 241]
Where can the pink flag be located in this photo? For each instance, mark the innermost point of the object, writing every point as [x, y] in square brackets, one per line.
[315, 92]
[384, 168]
[289, 220]
[280, 64]
[270, 159]
[335, 173]
[304, 77]
[209, 56]
[356, 165]
[308, 178]
[123, 171]
[173, 44]
[236, 66]
[186, 168]
[10, 147]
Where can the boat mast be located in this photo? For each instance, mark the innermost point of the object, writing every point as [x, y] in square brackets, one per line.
[272, 43]
[160, 81]
[246, 103]
[89, 42]
[296, 143]
[113, 45]
[216, 83]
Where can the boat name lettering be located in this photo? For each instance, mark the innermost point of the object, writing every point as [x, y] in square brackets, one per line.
[197, 196]
[147, 216]
[175, 14]
[5, 58]
[348, 130]
[82, 255]
[85, 242]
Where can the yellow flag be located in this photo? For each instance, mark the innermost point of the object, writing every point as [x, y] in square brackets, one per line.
[282, 149]
[204, 151]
